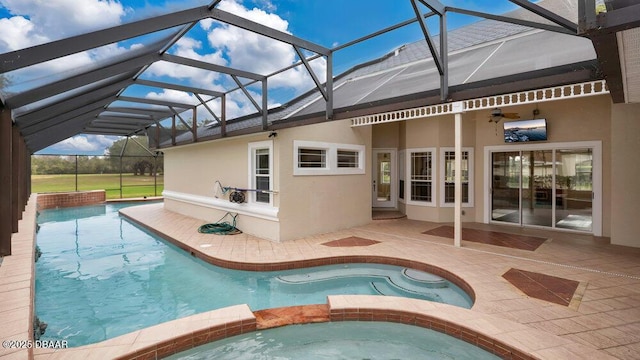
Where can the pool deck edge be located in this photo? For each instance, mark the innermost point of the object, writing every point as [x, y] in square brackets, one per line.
[17, 289]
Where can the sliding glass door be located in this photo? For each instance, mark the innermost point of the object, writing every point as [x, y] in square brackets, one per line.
[505, 187]
[543, 187]
[574, 189]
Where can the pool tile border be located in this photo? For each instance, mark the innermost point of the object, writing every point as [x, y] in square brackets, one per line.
[511, 341]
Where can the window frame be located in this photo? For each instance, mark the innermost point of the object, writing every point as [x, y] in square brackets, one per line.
[469, 181]
[331, 160]
[409, 176]
[253, 148]
[402, 189]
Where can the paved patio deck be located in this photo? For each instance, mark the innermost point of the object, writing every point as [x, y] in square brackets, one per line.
[601, 321]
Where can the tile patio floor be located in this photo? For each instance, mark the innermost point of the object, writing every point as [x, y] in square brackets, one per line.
[604, 313]
[606, 308]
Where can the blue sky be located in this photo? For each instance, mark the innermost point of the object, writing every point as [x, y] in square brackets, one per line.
[330, 23]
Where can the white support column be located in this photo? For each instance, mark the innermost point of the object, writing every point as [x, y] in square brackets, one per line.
[457, 218]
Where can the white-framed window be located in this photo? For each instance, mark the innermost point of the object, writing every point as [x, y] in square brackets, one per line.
[322, 158]
[261, 172]
[420, 167]
[448, 171]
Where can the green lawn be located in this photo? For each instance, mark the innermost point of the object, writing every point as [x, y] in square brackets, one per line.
[132, 186]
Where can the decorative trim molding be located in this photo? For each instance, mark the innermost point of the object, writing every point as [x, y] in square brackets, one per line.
[257, 211]
[571, 91]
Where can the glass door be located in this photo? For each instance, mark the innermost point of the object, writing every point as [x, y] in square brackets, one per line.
[550, 188]
[574, 189]
[537, 187]
[383, 182]
[505, 187]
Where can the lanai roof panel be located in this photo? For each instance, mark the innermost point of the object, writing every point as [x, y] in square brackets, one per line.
[351, 92]
[539, 50]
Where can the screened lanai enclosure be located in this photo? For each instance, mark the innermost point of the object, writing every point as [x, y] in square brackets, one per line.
[147, 78]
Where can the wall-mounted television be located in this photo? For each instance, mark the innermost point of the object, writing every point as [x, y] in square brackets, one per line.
[526, 130]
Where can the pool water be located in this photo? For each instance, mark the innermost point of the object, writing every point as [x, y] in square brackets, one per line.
[100, 276]
[338, 340]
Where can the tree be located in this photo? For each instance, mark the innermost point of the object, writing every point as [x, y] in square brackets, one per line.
[135, 154]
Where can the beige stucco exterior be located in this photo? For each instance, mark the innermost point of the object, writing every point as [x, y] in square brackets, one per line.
[190, 183]
[313, 204]
[303, 205]
[569, 121]
[625, 175]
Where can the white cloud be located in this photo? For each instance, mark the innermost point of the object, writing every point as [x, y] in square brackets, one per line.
[187, 47]
[36, 22]
[237, 103]
[259, 54]
[239, 49]
[18, 32]
[55, 19]
[84, 144]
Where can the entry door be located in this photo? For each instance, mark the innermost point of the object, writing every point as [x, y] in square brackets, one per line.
[384, 178]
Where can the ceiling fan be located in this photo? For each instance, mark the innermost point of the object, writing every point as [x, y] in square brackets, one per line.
[497, 114]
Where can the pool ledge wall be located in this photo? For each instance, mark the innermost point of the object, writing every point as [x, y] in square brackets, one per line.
[70, 199]
[17, 287]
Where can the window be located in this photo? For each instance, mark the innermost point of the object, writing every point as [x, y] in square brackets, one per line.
[448, 158]
[348, 159]
[312, 158]
[260, 172]
[421, 165]
[320, 158]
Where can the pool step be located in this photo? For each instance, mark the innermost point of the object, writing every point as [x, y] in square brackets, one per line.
[425, 279]
[388, 288]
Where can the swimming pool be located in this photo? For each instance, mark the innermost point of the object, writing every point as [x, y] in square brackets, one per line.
[339, 340]
[100, 276]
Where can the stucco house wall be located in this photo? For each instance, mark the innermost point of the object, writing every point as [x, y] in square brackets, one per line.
[303, 205]
[191, 189]
[314, 204]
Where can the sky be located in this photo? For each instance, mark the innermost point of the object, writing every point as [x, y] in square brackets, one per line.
[330, 23]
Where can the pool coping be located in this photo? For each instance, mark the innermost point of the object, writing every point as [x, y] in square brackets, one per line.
[505, 337]
[17, 288]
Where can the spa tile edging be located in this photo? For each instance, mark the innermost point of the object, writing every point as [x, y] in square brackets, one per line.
[164, 339]
[305, 263]
[504, 338]
[17, 283]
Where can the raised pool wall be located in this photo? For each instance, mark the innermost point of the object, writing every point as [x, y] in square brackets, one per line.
[70, 199]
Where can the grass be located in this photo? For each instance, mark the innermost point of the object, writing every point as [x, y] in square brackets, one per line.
[132, 186]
